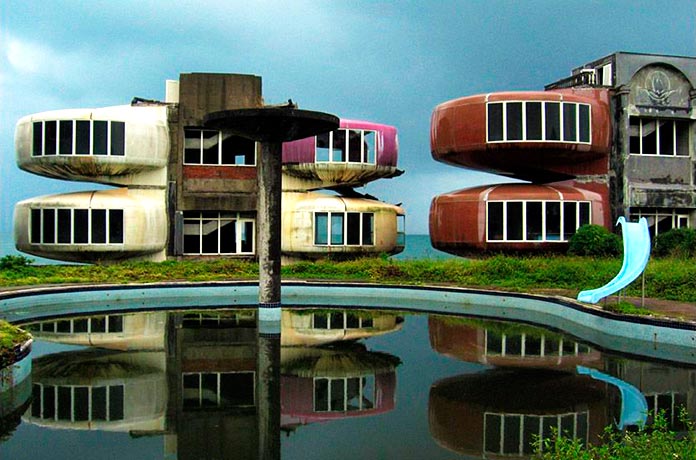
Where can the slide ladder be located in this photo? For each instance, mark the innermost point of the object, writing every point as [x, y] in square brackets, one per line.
[636, 244]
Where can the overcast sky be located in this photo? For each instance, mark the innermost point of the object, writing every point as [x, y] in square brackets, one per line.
[387, 62]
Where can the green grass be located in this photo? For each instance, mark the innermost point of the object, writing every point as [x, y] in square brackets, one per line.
[9, 337]
[670, 279]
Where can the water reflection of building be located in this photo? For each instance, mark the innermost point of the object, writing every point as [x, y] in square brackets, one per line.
[312, 327]
[507, 344]
[321, 384]
[199, 389]
[499, 413]
[666, 388]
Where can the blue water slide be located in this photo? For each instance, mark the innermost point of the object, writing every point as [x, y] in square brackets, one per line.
[636, 244]
[634, 407]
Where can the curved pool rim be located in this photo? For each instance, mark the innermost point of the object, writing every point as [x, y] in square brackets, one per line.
[658, 338]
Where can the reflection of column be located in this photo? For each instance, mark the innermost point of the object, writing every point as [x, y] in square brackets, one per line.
[268, 394]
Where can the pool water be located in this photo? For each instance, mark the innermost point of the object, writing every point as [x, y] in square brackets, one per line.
[187, 384]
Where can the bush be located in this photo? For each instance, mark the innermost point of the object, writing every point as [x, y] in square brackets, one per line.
[678, 242]
[14, 263]
[594, 240]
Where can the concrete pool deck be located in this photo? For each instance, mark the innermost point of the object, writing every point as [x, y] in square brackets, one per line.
[670, 335]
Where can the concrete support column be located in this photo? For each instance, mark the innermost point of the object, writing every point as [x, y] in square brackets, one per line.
[268, 394]
[268, 221]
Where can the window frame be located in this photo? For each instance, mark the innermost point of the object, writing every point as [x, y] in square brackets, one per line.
[563, 237]
[366, 157]
[238, 219]
[504, 128]
[219, 143]
[115, 130]
[345, 227]
[109, 212]
[680, 217]
[658, 129]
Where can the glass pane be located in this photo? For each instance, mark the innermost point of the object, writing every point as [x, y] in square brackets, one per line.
[321, 395]
[534, 222]
[370, 147]
[584, 122]
[320, 321]
[50, 137]
[682, 138]
[568, 425]
[115, 323]
[210, 237]
[352, 321]
[66, 137]
[81, 395]
[495, 122]
[35, 236]
[530, 433]
[209, 389]
[532, 346]
[551, 346]
[323, 150]
[338, 152]
[368, 392]
[228, 236]
[99, 403]
[97, 324]
[584, 213]
[569, 219]
[99, 138]
[666, 137]
[237, 389]
[37, 140]
[495, 221]
[248, 237]
[494, 342]
[514, 121]
[513, 345]
[649, 137]
[64, 403]
[321, 223]
[64, 225]
[190, 384]
[533, 113]
[80, 325]
[81, 226]
[116, 226]
[353, 229]
[553, 221]
[192, 146]
[116, 402]
[492, 427]
[514, 221]
[210, 148]
[552, 123]
[118, 138]
[337, 228]
[354, 147]
[98, 226]
[511, 440]
[49, 402]
[336, 321]
[338, 394]
[634, 135]
[368, 228]
[570, 133]
[49, 225]
[82, 141]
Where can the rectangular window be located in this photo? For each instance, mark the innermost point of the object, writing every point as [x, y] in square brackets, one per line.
[212, 232]
[192, 146]
[513, 121]
[552, 221]
[353, 234]
[368, 228]
[336, 229]
[533, 121]
[339, 228]
[49, 226]
[36, 226]
[100, 137]
[98, 226]
[81, 226]
[118, 138]
[115, 226]
[76, 226]
[83, 139]
[64, 226]
[37, 138]
[322, 148]
[495, 122]
[584, 122]
[570, 133]
[321, 225]
[50, 137]
[65, 135]
[208, 147]
[552, 123]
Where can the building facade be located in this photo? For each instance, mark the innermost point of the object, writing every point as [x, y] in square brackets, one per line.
[613, 139]
[183, 190]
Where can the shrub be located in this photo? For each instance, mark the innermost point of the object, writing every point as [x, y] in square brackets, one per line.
[678, 242]
[594, 240]
[14, 263]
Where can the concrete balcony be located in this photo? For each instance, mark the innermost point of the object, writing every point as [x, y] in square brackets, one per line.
[355, 154]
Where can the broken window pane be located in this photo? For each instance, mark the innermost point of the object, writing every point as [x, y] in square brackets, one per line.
[369, 147]
[323, 147]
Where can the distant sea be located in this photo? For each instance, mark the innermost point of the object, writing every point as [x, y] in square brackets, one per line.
[417, 247]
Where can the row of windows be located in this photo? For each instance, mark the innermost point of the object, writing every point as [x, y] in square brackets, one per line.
[76, 226]
[649, 136]
[535, 220]
[218, 389]
[498, 344]
[77, 403]
[344, 228]
[91, 325]
[207, 147]
[347, 145]
[538, 121]
[342, 320]
[516, 434]
[344, 394]
[219, 321]
[211, 232]
[661, 220]
[79, 137]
